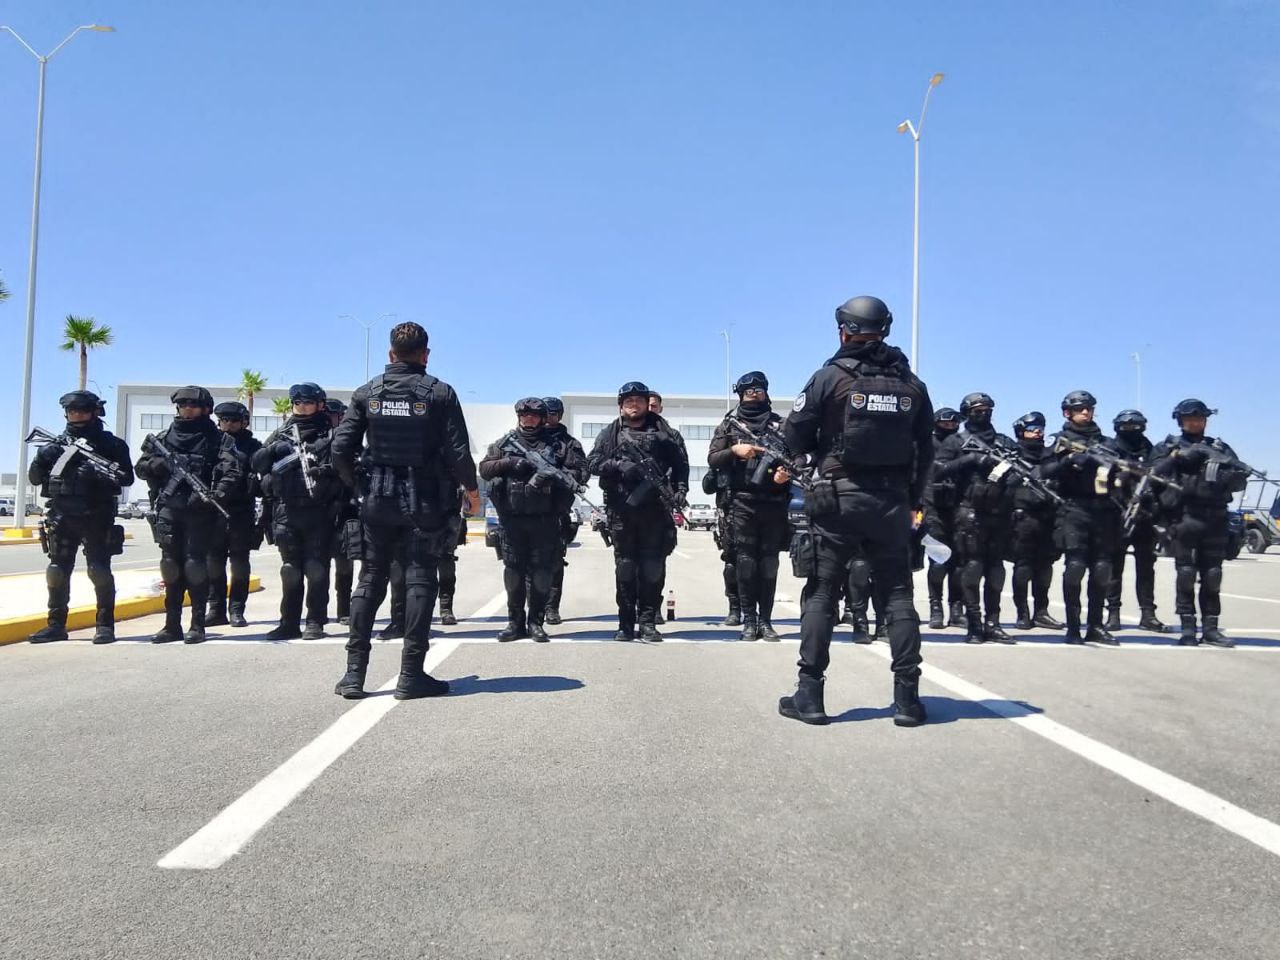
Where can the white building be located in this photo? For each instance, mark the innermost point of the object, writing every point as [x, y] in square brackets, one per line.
[143, 408]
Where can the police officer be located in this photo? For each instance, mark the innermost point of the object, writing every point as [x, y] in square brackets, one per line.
[759, 494]
[346, 529]
[234, 537]
[644, 474]
[1088, 521]
[868, 421]
[530, 507]
[1130, 441]
[1034, 551]
[1209, 473]
[715, 484]
[559, 433]
[183, 521]
[306, 500]
[418, 451]
[81, 510]
[940, 519]
[982, 518]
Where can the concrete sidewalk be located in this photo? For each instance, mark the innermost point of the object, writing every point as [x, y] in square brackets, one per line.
[24, 600]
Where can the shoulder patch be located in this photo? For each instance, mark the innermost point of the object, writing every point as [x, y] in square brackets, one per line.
[799, 403]
[906, 403]
[858, 400]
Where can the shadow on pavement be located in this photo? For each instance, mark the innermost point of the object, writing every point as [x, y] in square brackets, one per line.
[945, 710]
[466, 686]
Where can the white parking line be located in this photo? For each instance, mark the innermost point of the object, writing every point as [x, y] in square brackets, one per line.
[226, 834]
[1245, 596]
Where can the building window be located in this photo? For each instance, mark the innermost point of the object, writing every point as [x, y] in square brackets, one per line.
[592, 430]
[155, 421]
[266, 424]
[697, 431]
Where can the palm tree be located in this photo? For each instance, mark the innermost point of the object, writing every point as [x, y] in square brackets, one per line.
[251, 382]
[84, 332]
[4, 292]
[282, 406]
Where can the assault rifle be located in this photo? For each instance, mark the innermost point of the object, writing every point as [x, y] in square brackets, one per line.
[654, 476]
[76, 447]
[1012, 462]
[1115, 461]
[178, 475]
[546, 471]
[303, 457]
[1217, 458]
[775, 454]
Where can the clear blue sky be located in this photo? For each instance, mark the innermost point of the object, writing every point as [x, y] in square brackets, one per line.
[570, 195]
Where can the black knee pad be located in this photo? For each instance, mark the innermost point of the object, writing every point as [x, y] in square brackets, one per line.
[626, 568]
[170, 569]
[55, 577]
[769, 566]
[651, 569]
[1211, 578]
[100, 575]
[196, 572]
[315, 570]
[290, 576]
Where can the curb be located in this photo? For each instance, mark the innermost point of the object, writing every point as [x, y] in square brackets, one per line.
[17, 629]
[14, 541]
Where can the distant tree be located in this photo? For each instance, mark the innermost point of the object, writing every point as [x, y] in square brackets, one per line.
[282, 406]
[251, 383]
[85, 334]
[4, 292]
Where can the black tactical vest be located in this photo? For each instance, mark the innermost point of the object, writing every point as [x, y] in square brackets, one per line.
[878, 415]
[399, 427]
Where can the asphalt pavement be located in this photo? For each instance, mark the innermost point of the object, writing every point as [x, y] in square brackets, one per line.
[588, 798]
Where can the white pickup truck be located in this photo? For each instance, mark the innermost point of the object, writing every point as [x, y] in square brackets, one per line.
[700, 516]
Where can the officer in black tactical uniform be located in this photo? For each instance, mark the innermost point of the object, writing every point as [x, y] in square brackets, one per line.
[983, 515]
[306, 499]
[568, 524]
[184, 523]
[644, 474]
[868, 421]
[418, 452]
[940, 520]
[345, 549]
[759, 494]
[530, 507]
[234, 537]
[1209, 472]
[81, 510]
[1130, 441]
[715, 484]
[1034, 550]
[1088, 522]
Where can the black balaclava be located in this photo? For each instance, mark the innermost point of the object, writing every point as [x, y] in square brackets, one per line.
[89, 429]
[755, 412]
[312, 426]
[529, 434]
[978, 422]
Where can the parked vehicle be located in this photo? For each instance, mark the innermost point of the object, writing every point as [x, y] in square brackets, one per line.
[1258, 513]
[700, 516]
[7, 506]
[795, 510]
[492, 529]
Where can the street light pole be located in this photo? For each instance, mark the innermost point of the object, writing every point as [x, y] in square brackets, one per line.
[728, 371]
[1137, 362]
[367, 327]
[916, 131]
[20, 479]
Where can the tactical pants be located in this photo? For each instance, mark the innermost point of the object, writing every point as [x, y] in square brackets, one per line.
[66, 534]
[1034, 553]
[941, 524]
[860, 589]
[642, 540]
[1143, 540]
[1200, 549]
[393, 540]
[567, 530]
[530, 551]
[760, 530]
[1088, 532]
[231, 544]
[981, 545]
[184, 535]
[724, 543]
[877, 522]
[304, 537]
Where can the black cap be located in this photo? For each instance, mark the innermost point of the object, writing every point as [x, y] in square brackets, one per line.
[199, 395]
[633, 388]
[83, 400]
[231, 410]
[1191, 407]
[1079, 400]
[307, 392]
[755, 378]
[864, 315]
[554, 405]
[531, 405]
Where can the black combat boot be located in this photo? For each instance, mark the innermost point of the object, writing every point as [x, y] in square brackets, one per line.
[1043, 618]
[861, 630]
[171, 632]
[446, 613]
[976, 633]
[956, 614]
[882, 631]
[806, 704]
[538, 634]
[626, 626]
[414, 683]
[750, 629]
[1097, 633]
[514, 630]
[849, 617]
[1149, 621]
[1187, 638]
[1024, 621]
[217, 614]
[936, 620]
[236, 614]
[734, 617]
[996, 633]
[392, 631]
[105, 628]
[1113, 619]
[767, 633]
[649, 633]
[908, 711]
[54, 631]
[285, 631]
[313, 631]
[1212, 635]
[351, 686]
[195, 633]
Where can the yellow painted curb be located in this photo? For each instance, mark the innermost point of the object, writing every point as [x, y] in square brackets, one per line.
[17, 629]
[9, 541]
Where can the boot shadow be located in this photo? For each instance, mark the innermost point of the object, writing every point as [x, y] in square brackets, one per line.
[946, 710]
[474, 684]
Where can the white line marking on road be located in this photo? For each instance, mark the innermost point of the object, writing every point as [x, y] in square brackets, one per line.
[1179, 792]
[1245, 596]
[682, 555]
[498, 602]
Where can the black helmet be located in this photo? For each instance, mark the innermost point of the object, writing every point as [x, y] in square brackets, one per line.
[1129, 421]
[633, 388]
[334, 405]
[531, 405]
[864, 315]
[972, 400]
[83, 400]
[201, 396]
[231, 410]
[753, 379]
[947, 415]
[1034, 419]
[307, 392]
[1191, 407]
[1079, 400]
[554, 405]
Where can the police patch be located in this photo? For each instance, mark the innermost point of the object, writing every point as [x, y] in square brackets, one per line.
[799, 402]
[419, 408]
[858, 400]
[375, 406]
[906, 404]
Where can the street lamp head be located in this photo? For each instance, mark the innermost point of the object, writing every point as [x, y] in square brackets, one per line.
[904, 126]
[101, 29]
[935, 79]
